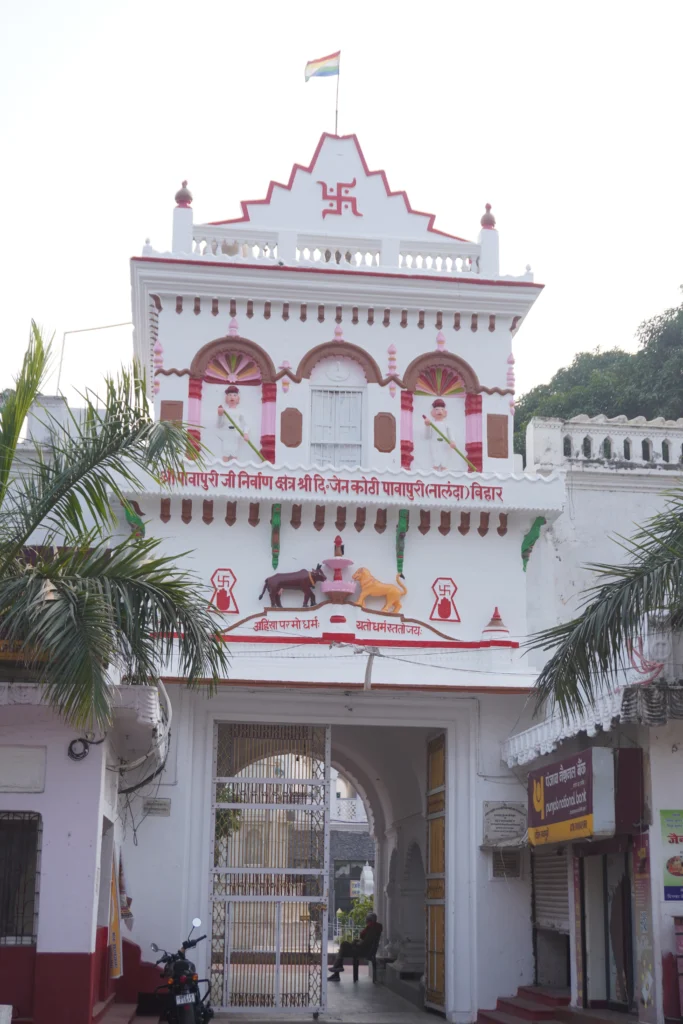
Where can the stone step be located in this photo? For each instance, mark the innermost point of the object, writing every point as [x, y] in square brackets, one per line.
[500, 1017]
[547, 995]
[527, 1009]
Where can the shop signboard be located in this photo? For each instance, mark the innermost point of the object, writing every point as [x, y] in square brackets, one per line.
[672, 854]
[572, 799]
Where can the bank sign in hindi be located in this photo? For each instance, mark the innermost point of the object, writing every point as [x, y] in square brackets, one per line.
[672, 854]
[572, 799]
[293, 484]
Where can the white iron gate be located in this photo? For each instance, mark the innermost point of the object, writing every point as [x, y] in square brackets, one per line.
[269, 867]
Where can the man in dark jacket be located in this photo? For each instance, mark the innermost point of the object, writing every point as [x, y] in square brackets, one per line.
[360, 948]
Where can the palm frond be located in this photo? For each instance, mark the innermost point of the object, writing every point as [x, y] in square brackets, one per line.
[111, 447]
[86, 615]
[589, 652]
[18, 400]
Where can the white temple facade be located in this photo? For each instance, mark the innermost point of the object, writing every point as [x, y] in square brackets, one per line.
[375, 555]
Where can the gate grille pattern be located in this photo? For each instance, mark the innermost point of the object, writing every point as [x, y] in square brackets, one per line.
[269, 866]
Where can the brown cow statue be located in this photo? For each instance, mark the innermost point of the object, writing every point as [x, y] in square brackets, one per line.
[302, 580]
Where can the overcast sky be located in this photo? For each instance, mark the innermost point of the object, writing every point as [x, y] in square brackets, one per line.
[564, 116]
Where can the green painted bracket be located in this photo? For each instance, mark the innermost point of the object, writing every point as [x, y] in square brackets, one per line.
[401, 530]
[530, 539]
[275, 523]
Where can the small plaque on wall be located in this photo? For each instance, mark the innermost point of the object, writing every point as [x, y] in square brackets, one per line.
[156, 807]
[503, 820]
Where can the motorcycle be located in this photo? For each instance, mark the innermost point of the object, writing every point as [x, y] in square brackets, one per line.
[185, 1005]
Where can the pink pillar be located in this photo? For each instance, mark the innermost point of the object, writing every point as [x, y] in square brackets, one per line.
[268, 396]
[473, 445]
[194, 412]
[406, 429]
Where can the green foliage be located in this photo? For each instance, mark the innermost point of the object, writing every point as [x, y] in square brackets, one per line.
[590, 650]
[353, 921]
[647, 383]
[588, 653]
[82, 606]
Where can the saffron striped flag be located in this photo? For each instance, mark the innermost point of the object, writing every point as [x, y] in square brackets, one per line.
[324, 66]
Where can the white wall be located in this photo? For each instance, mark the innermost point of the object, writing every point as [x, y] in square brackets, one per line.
[71, 808]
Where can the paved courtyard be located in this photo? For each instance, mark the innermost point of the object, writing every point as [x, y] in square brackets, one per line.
[362, 1003]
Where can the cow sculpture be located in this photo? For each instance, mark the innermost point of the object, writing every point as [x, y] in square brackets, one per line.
[302, 580]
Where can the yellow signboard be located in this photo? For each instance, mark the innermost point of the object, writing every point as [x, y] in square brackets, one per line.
[561, 831]
[115, 940]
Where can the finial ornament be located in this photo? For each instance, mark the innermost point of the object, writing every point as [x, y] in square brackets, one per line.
[183, 196]
[488, 220]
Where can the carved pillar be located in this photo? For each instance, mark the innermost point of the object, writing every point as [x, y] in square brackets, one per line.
[268, 395]
[406, 429]
[473, 445]
[194, 410]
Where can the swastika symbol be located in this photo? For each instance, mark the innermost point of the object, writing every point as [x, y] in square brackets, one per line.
[444, 610]
[222, 599]
[339, 199]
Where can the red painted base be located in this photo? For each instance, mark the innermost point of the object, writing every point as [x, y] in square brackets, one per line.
[63, 990]
[17, 967]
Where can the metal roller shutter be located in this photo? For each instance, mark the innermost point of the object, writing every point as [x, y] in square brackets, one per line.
[551, 889]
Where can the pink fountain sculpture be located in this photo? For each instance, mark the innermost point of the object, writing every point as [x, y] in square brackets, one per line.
[338, 590]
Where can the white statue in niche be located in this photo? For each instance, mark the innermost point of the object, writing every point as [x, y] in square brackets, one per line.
[442, 452]
[229, 435]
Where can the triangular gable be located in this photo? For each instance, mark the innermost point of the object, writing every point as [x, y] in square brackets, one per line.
[338, 195]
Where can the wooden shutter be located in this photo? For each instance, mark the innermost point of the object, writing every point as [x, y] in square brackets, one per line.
[385, 432]
[497, 436]
[291, 422]
[171, 412]
[435, 966]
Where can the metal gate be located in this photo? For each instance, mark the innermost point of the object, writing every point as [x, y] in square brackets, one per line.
[269, 867]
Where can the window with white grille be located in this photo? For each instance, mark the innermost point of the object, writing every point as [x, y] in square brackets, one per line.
[336, 427]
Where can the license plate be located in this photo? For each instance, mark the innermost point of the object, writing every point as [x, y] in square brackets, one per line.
[186, 997]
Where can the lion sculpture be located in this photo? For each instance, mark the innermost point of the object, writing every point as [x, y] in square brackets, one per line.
[371, 587]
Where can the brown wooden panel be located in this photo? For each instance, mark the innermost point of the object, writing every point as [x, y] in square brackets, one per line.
[497, 443]
[436, 763]
[436, 842]
[385, 432]
[171, 412]
[436, 889]
[291, 425]
[436, 802]
[435, 987]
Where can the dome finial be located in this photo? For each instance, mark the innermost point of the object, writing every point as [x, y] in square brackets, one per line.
[488, 220]
[183, 196]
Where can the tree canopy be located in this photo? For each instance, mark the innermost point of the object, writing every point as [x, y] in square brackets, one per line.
[648, 382]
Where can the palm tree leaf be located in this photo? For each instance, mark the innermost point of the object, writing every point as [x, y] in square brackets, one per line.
[590, 651]
[16, 403]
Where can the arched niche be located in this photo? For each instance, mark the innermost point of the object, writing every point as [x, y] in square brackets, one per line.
[340, 349]
[234, 346]
[412, 906]
[425, 364]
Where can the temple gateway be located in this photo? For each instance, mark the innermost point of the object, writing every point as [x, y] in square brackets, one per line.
[375, 554]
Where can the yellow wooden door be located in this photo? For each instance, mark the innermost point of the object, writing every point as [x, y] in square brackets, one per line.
[435, 975]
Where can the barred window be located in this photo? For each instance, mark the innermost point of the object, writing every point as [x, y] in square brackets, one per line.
[20, 838]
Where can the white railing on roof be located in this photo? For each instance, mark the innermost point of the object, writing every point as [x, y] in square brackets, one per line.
[449, 257]
[606, 442]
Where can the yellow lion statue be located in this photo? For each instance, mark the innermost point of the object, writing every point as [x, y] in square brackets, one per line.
[370, 587]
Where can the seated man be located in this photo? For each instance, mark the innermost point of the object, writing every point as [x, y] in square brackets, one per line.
[360, 948]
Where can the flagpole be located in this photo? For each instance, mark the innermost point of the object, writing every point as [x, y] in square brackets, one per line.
[336, 102]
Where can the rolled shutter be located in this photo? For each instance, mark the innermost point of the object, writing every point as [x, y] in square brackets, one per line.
[551, 889]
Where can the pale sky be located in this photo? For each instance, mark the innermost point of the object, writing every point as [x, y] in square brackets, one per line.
[564, 116]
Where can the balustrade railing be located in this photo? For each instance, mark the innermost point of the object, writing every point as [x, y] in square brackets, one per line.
[214, 243]
[347, 809]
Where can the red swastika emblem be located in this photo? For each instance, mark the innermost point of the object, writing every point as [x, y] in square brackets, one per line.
[339, 199]
[222, 581]
[444, 609]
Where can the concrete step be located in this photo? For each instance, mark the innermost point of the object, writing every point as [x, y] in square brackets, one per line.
[118, 1013]
[501, 1017]
[548, 996]
[527, 1009]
